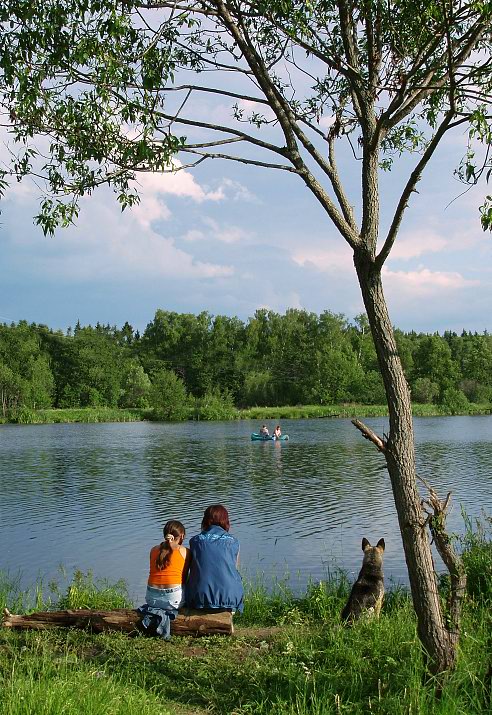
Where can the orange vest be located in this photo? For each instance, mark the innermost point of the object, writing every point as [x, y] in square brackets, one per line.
[170, 576]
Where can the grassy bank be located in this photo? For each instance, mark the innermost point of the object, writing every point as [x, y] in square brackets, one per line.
[290, 656]
[79, 414]
[351, 410]
[109, 414]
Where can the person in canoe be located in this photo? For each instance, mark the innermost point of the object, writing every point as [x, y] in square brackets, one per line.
[264, 431]
[277, 432]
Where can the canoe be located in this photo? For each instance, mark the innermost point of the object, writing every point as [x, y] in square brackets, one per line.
[256, 437]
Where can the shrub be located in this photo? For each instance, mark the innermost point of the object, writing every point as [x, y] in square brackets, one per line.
[258, 388]
[136, 386]
[477, 558]
[454, 401]
[168, 397]
[424, 391]
[475, 391]
[86, 592]
[216, 405]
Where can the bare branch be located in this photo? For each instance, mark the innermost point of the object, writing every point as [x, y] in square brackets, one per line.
[430, 84]
[179, 109]
[368, 433]
[197, 8]
[241, 160]
[291, 129]
[226, 130]
[436, 519]
[412, 182]
[416, 174]
[219, 142]
[213, 90]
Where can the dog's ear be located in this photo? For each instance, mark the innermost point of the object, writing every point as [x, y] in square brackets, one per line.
[365, 544]
[381, 544]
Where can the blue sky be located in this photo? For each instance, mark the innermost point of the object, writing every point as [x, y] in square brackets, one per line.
[229, 239]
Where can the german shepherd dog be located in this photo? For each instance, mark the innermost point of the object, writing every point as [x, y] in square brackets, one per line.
[367, 592]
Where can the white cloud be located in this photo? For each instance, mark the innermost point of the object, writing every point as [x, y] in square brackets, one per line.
[225, 234]
[328, 260]
[176, 183]
[110, 244]
[150, 209]
[280, 302]
[237, 191]
[418, 242]
[153, 187]
[424, 282]
[193, 235]
[326, 121]
[217, 232]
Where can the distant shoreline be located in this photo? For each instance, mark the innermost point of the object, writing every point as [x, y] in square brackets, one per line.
[94, 415]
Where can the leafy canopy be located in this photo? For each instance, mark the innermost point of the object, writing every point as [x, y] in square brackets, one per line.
[95, 91]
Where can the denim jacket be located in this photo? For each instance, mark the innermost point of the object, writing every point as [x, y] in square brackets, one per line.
[214, 581]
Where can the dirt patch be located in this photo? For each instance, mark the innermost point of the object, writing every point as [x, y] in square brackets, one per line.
[193, 651]
[261, 634]
[245, 643]
[182, 710]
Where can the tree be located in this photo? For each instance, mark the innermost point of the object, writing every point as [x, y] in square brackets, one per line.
[178, 341]
[11, 389]
[424, 390]
[433, 360]
[168, 396]
[90, 372]
[135, 386]
[21, 351]
[98, 80]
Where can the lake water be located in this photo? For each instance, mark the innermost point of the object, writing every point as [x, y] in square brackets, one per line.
[95, 497]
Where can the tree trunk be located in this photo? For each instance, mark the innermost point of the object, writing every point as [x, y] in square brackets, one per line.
[400, 460]
[188, 622]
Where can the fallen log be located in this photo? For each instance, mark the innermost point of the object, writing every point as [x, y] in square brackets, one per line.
[189, 622]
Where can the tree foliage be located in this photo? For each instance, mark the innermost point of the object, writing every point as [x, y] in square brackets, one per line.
[101, 366]
[105, 86]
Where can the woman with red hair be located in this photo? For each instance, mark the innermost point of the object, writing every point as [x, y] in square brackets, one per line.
[214, 581]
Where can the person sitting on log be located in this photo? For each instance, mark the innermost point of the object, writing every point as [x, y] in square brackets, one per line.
[214, 580]
[169, 565]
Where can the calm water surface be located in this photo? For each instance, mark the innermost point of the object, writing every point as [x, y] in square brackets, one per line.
[96, 496]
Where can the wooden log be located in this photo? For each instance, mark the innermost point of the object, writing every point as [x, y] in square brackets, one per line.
[189, 622]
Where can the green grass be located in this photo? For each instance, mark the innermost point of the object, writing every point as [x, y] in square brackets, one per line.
[289, 656]
[350, 410]
[114, 414]
[79, 414]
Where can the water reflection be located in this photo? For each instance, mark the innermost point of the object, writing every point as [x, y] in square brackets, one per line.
[96, 496]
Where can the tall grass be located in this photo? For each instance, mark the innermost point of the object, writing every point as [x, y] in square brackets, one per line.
[27, 416]
[214, 408]
[350, 410]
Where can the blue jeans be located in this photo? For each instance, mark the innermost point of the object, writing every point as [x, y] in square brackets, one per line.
[164, 598]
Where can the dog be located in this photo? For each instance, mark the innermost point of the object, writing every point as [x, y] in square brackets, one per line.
[366, 596]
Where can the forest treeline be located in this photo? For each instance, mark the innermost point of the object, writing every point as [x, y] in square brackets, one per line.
[223, 363]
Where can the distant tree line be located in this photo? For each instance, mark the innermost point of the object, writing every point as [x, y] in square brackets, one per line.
[270, 360]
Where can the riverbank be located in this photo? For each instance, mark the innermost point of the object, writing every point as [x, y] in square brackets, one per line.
[110, 414]
[289, 656]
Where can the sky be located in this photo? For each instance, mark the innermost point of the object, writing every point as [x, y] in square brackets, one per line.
[230, 239]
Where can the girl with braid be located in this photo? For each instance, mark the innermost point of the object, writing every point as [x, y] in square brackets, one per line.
[169, 564]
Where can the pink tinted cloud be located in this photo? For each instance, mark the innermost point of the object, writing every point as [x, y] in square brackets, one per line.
[424, 282]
